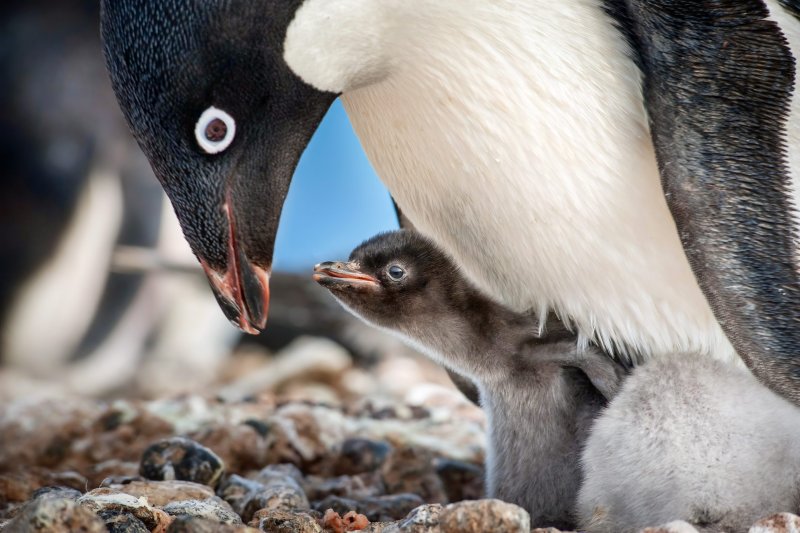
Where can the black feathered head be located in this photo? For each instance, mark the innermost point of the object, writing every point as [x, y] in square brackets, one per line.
[223, 121]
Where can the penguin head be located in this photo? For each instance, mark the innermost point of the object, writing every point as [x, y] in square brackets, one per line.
[223, 120]
[394, 280]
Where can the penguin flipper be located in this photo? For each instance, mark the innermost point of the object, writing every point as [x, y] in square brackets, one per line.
[717, 82]
[402, 219]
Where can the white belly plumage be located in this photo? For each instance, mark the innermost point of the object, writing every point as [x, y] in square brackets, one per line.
[514, 134]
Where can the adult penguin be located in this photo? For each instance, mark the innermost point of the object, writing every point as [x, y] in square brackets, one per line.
[525, 137]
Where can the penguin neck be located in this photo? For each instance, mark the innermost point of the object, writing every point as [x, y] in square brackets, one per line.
[514, 135]
[474, 335]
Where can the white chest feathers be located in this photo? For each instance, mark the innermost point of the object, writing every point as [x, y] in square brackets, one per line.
[513, 133]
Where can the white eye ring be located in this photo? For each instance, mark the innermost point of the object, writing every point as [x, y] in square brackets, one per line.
[205, 137]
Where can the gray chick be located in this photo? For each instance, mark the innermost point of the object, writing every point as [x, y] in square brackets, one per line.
[689, 438]
[540, 392]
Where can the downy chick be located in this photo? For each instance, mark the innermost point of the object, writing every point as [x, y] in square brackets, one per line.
[540, 392]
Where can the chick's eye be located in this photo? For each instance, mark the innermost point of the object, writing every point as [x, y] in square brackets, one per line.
[396, 272]
[215, 130]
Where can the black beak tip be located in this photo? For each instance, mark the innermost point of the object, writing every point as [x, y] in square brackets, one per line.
[229, 309]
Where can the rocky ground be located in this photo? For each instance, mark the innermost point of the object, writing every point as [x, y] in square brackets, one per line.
[304, 441]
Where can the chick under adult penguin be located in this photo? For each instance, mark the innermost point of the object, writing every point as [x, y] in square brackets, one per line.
[540, 392]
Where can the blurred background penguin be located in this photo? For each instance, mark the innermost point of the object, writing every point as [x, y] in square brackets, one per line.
[99, 293]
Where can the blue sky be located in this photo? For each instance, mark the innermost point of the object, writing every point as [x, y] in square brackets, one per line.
[335, 201]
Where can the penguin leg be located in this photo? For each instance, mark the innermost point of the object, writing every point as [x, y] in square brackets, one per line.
[717, 81]
[462, 383]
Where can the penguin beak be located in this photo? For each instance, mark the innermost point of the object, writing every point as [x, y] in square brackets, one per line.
[333, 275]
[242, 291]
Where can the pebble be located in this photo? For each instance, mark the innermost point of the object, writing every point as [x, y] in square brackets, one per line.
[192, 524]
[358, 456]
[358, 486]
[279, 474]
[237, 491]
[123, 523]
[410, 469]
[51, 513]
[240, 446]
[480, 516]
[113, 471]
[302, 357]
[67, 493]
[106, 500]
[313, 432]
[379, 509]
[461, 480]
[278, 521]
[18, 487]
[280, 490]
[423, 519]
[213, 508]
[160, 493]
[182, 459]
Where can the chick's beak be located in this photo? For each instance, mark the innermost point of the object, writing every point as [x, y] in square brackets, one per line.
[242, 291]
[333, 273]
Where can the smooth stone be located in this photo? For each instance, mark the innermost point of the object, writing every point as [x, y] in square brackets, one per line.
[480, 516]
[182, 459]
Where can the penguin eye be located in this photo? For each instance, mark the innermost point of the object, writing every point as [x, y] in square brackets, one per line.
[215, 130]
[396, 272]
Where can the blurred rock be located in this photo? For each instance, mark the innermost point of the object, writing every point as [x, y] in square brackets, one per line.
[43, 433]
[213, 508]
[307, 358]
[280, 490]
[240, 447]
[66, 493]
[278, 521]
[123, 523]
[51, 513]
[359, 486]
[238, 491]
[191, 524]
[182, 459]
[379, 509]
[480, 516]
[114, 472]
[461, 480]
[279, 474]
[401, 374]
[358, 456]
[160, 493]
[410, 469]
[423, 519]
[109, 501]
[313, 433]
[19, 486]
